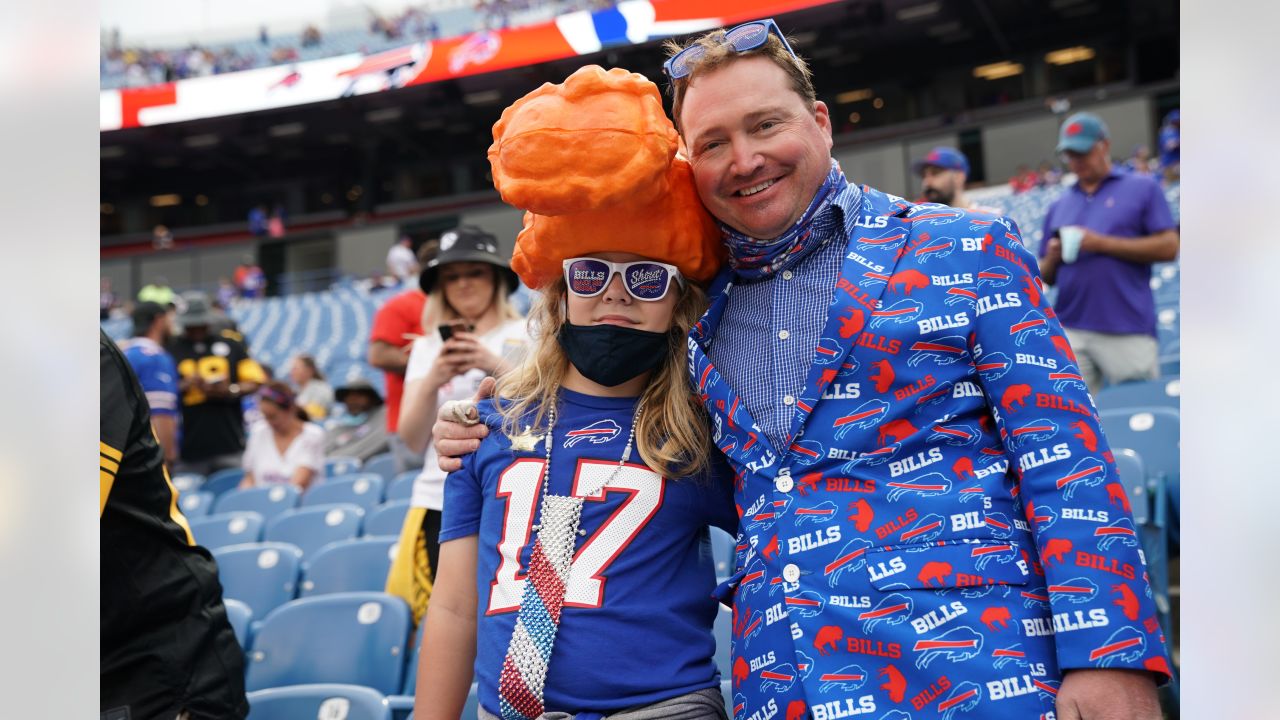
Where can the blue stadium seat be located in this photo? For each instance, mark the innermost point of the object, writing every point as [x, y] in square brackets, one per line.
[263, 576]
[723, 631]
[386, 519]
[196, 503]
[349, 566]
[335, 466]
[722, 550]
[241, 616]
[363, 489]
[330, 700]
[384, 465]
[726, 691]
[314, 527]
[402, 487]
[403, 703]
[362, 642]
[215, 531]
[472, 708]
[186, 482]
[1165, 392]
[268, 501]
[223, 480]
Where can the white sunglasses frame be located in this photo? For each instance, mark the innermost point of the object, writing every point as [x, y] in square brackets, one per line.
[618, 268]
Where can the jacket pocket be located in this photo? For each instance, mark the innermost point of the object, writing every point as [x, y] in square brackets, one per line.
[950, 564]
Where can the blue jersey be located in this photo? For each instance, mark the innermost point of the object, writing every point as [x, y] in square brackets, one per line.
[156, 372]
[636, 626]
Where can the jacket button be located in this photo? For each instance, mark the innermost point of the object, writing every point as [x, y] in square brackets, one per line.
[784, 483]
[791, 573]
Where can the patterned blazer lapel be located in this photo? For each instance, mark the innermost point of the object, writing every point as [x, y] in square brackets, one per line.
[733, 429]
[879, 235]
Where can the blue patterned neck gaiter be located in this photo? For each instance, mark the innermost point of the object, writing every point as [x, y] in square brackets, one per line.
[754, 259]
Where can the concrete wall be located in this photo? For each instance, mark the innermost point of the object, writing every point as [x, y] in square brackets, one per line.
[363, 251]
[883, 166]
[503, 221]
[1030, 140]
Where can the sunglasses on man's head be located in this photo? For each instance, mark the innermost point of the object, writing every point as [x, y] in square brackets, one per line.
[644, 279]
[744, 37]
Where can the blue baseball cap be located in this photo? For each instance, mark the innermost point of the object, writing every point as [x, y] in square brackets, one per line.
[947, 158]
[1080, 132]
[1173, 117]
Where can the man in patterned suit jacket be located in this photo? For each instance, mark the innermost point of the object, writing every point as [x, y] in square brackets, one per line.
[931, 522]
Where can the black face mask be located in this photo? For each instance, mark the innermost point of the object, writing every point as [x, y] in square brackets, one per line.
[611, 355]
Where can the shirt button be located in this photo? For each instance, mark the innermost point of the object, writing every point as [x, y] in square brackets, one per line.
[788, 400]
[783, 334]
[784, 483]
[787, 275]
[791, 573]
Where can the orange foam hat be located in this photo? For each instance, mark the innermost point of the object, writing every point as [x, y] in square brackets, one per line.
[593, 163]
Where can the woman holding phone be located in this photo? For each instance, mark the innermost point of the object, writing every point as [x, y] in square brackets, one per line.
[471, 332]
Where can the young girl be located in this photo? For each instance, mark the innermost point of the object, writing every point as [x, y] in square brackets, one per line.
[575, 571]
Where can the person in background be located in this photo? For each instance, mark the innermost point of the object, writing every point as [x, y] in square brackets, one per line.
[1102, 235]
[284, 447]
[359, 431]
[315, 394]
[215, 372]
[1171, 146]
[156, 371]
[166, 647]
[107, 300]
[943, 174]
[1140, 161]
[250, 279]
[401, 262]
[395, 326]
[467, 287]
[227, 293]
[257, 221]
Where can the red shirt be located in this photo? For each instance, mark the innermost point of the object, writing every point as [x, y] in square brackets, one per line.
[400, 315]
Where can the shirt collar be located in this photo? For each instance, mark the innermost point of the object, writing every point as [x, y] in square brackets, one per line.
[1115, 174]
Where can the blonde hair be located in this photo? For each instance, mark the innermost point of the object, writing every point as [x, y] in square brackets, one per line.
[671, 435]
[718, 54]
[437, 309]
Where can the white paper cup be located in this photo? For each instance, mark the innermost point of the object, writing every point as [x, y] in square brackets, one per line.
[1070, 236]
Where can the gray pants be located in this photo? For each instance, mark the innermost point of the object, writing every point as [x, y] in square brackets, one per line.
[1107, 358]
[701, 705]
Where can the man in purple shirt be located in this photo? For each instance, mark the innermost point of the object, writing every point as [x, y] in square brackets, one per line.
[1102, 236]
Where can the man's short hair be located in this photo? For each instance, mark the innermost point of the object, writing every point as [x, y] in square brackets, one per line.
[718, 54]
[144, 316]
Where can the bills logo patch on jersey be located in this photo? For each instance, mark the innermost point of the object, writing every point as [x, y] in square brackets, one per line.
[596, 433]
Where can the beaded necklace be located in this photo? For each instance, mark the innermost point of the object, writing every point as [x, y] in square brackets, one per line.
[524, 670]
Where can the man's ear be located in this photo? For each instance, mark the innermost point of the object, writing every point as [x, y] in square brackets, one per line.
[823, 118]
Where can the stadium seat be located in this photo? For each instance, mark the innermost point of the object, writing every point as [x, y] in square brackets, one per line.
[263, 576]
[363, 489]
[356, 638]
[411, 668]
[1133, 476]
[723, 631]
[349, 566]
[401, 487]
[722, 550]
[335, 466]
[1165, 392]
[223, 480]
[268, 501]
[216, 531]
[386, 519]
[195, 503]
[726, 691]
[321, 701]
[384, 465]
[240, 615]
[186, 482]
[314, 527]
[472, 708]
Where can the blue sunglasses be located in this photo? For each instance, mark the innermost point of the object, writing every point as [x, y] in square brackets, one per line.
[744, 37]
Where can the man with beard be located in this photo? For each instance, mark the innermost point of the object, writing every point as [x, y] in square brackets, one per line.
[943, 174]
[152, 325]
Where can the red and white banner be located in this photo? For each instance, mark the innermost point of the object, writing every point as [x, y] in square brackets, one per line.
[580, 33]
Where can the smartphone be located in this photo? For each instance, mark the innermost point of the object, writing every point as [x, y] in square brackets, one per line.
[448, 329]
